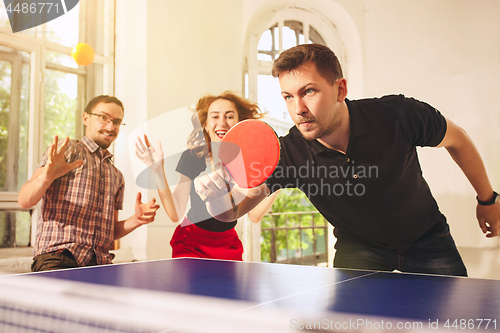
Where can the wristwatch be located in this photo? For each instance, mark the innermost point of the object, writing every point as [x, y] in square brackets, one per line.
[488, 203]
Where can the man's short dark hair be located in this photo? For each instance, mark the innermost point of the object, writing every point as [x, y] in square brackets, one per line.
[327, 63]
[102, 99]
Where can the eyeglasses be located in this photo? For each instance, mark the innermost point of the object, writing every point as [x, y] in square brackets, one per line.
[104, 120]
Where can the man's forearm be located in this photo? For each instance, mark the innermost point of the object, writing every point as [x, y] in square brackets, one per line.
[465, 154]
[123, 228]
[469, 160]
[144, 214]
[33, 190]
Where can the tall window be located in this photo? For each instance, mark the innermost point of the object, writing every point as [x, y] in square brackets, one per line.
[271, 34]
[42, 94]
[14, 95]
[279, 37]
[292, 34]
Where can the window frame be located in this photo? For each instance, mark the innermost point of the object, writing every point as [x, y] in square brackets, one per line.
[254, 67]
[97, 80]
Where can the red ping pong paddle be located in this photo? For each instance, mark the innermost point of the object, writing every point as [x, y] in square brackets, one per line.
[250, 151]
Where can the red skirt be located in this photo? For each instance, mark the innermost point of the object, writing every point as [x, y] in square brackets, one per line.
[192, 241]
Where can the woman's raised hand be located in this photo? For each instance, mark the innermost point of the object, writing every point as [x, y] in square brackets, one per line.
[153, 158]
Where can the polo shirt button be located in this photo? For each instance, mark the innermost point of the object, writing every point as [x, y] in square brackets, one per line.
[355, 176]
[348, 160]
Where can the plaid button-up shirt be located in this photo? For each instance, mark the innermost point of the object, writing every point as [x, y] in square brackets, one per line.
[78, 208]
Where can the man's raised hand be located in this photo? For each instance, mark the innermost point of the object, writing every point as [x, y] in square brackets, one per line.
[56, 165]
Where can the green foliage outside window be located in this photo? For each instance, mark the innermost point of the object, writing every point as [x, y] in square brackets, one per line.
[5, 75]
[293, 201]
[60, 116]
[59, 119]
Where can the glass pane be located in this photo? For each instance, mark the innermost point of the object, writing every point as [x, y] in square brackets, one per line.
[320, 241]
[15, 229]
[294, 242]
[60, 59]
[23, 134]
[270, 99]
[5, 85]
[95, 14]
[292, 200]
[281, 244]
[264, 57]
[265, 248]
[319, 220]
[98, 78]
[280, 221]
[306, 220]
[265, 42]
[14, 99]
[315, 37]
[60, 105]
[266, 221]
[64, 29]
[307, 242]
[289, 38]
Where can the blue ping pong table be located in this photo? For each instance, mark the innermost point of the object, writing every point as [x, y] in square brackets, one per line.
[294, 298]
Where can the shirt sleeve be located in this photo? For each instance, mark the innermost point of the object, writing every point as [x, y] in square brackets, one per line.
[119, 197]
[424, 124]
[190, 165]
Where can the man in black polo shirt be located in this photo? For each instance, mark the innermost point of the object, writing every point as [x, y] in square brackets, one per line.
[357, 163]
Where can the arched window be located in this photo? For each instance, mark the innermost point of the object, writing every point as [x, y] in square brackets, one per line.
[292, 34]
[273, 31]
[281, 36]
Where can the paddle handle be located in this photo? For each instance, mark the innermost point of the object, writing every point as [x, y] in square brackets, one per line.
[233, 203]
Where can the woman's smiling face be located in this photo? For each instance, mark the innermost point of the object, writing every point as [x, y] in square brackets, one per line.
[222, 115]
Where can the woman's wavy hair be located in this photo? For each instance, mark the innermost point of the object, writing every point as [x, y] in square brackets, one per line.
[198, 139]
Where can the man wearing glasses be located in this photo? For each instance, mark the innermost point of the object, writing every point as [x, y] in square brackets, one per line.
[82, 192]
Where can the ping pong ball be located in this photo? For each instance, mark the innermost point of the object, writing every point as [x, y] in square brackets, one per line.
[83, 54]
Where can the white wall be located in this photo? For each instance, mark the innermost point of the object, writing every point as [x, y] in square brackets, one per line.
[168, 54]
[445, 52]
